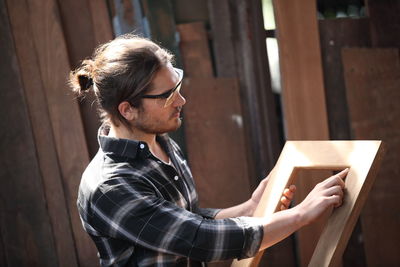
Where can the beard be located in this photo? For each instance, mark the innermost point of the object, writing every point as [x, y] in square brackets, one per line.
[152, 125]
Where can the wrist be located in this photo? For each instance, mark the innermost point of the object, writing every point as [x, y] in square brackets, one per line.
[250, 207]
[299, 216]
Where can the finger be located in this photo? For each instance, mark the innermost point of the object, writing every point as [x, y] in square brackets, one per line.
[285, 201]
[334, 180]
[292, 188]
[335, 200]
[283, 207]
[343, 173]
[288, 193]
[264, 182]
[334, 190]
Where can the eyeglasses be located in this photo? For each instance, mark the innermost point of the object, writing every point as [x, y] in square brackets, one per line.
[171, 94]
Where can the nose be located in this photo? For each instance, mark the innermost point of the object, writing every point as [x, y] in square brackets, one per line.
[179, 100]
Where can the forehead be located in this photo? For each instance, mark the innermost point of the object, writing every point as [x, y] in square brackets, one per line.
[165, 79]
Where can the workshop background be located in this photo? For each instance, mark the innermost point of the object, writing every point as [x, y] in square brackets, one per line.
[257, 73]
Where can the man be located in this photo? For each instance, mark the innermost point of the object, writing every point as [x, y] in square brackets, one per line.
[137, 199]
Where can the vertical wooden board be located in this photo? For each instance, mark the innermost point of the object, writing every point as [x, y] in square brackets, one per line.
[101, 21]
[385, 22]
[238, 26]
[214, 132]
[160, 19]
[303, 94]
[43, 19]
[221, 27]
[195, 51]
[213, 128]
[373, 80]
[79, 35]
[43, 136]
[162, 25]
[83, 31]
[3, 261]
[24, 222]
[187, 11]
[335, 34]
[248, 37]
[301, 67]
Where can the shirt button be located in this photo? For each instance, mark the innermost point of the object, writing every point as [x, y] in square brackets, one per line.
[141, 146]
[159, 162]
[176, 178]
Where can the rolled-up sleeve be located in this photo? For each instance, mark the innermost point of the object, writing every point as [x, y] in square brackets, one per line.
[207, 212]
[130, 210]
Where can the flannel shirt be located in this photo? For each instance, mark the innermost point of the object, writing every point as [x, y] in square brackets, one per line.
[140, 211]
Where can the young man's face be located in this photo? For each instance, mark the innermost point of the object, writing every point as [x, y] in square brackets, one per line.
[153, 116]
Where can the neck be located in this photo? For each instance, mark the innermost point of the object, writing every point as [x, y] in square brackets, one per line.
[134, 134]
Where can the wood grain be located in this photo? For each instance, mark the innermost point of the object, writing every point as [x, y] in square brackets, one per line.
[363, 159]
[259, 109]
[81, 39]
[43, 134]
[52, 63]
[303, 94]
[83, 32]
[372, 78]
[334, 35]
[213, 128]
[26, 229]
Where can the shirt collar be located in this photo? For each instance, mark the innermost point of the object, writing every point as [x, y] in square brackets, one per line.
[127, 147]
[121, 147]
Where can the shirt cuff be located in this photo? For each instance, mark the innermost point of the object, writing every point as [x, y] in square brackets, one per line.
[253, 234]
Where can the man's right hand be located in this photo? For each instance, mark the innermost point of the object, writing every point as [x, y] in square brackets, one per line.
[328, 193]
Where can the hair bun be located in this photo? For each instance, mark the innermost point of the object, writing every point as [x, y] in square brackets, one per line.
[85, 82]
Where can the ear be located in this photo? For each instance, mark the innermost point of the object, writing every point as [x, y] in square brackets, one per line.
[127, 111]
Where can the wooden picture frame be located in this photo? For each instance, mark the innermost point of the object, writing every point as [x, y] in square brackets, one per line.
[361, 157]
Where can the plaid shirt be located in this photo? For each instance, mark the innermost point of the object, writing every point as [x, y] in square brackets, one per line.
[140, 211]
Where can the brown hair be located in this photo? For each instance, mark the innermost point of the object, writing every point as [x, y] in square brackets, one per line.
[120, 70]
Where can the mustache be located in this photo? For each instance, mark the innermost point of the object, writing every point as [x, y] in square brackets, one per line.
[177, 110]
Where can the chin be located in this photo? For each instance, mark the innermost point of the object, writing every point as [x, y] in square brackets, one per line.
[172, 128]
[177, 126]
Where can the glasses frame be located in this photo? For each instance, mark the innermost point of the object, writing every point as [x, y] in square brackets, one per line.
[170, 94]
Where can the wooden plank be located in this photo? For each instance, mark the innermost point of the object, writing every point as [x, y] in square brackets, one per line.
[303, 94]
[48, 41]
[221, 28]
[162, 25]
[83, 31]
[363, 158]
[159, 16]
[373, 81]
[207, 122]
[335, 34]
[385, 22]
[259, 110]
[194, 48]
[214, 134]
[101, 21]
[238, 40]
[44, 139]
[187, 11]
[302, 78]
[3, 260]
[26, 231]
[80, 41]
